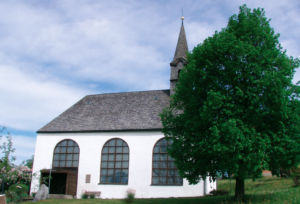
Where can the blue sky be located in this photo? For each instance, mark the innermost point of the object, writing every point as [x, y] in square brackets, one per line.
[53, 53]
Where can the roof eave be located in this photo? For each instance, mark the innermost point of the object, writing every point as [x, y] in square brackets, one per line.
[87, 131]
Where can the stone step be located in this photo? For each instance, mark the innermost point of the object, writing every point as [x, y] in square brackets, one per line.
[60, 196]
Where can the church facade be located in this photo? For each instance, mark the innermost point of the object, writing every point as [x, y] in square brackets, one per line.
[112, 143]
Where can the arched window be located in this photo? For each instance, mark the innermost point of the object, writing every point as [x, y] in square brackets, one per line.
[115, 162]
[164, 171]
[66, 154]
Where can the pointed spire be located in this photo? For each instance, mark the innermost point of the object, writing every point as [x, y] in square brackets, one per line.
[182, 46]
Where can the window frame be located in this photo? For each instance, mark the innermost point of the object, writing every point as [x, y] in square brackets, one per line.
[115, 155]
[59, 160]
[167, 168]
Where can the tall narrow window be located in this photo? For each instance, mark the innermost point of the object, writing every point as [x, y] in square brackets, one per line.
[66, 154]
[164, 171]
[179, 73]
[115, 162]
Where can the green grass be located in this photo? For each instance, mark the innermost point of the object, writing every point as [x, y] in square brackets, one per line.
[264, 190]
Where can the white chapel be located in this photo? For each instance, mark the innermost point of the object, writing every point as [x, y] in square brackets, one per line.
[113, 142]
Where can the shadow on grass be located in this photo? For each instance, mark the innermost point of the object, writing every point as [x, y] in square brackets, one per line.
[247, 199]
[265, 180]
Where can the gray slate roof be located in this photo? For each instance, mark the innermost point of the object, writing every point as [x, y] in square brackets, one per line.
[112, 112]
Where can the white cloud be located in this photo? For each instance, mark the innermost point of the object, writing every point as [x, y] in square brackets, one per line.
[92, 45]
[29, 102]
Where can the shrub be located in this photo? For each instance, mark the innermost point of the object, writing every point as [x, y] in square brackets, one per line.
[219, 192]
[33, 194]
[130, 193]
[8, 200]
[16, 198]
[84, 196]
[11, 195]
[296, 180]
[24, 195]
[92, 196]
[8, 194]
[18, 189]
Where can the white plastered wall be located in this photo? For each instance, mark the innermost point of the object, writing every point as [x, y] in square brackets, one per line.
[140, 164]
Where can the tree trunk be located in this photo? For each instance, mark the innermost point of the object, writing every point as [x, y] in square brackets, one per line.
[223, 175]
[239, 188]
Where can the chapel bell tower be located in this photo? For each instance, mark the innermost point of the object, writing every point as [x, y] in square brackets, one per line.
[179, 58]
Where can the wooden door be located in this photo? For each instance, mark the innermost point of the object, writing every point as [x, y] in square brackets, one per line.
[71, 183]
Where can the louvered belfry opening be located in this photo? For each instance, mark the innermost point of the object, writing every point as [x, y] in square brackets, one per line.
[65, 162]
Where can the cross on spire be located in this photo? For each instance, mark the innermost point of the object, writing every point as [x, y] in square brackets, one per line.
[182, 18]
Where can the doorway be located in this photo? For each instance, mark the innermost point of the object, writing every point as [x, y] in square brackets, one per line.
[62, 182]
[58, 183]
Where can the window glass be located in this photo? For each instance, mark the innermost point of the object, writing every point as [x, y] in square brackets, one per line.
[105, 157]
[104, 165]
[111, 157]
[70, 143]
[119, 142]
[105, 150]
[55, 163]
[124, 179]
[125, 157]
[75, 163]
[57, 150]
[112, 143]
[111, 164]
[156, 149]
[115, 162]
[69, 156]
[119, 157]
[125, 165]
[70, 149]
[76, 149]
[164, 171]
[69, 164]
[118, 164]
[56, 157]
[76, 157]
[119, 149]
[104, 172]
[111, 149]
[63, 150]
[62, 157]
[103, 179]
[125, 150]
[66, 154]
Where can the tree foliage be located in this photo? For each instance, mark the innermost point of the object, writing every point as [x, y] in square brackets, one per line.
[235, 107]
[29, 162]
[6, 148]
[13, 173]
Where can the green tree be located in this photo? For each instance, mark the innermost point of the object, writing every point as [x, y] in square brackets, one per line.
[235, 107]
[6, 164]
[29, 162]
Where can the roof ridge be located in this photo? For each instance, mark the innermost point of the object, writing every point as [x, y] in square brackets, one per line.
[127, 92]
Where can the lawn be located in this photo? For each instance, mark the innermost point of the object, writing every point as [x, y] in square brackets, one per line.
[264, 190]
